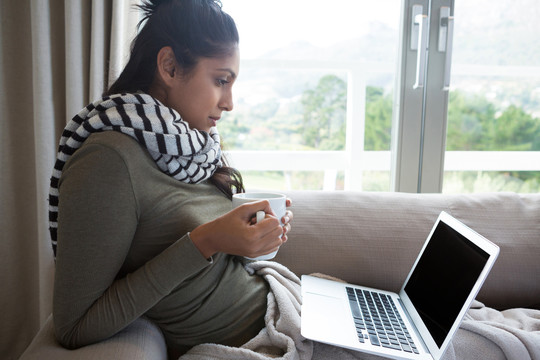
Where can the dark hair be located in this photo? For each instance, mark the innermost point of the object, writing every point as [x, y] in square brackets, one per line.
[194, 29]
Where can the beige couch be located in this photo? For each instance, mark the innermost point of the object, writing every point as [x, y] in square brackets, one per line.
[370, 239]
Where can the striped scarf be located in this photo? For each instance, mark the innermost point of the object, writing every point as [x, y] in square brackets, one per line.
[188, 155]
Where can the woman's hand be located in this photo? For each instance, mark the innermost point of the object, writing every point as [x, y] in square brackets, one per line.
[235, 233]
[286, 221]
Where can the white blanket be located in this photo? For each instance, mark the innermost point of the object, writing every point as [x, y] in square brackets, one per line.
[484, 334]
[281, 338]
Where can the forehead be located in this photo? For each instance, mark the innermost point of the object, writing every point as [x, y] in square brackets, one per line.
[228, 63]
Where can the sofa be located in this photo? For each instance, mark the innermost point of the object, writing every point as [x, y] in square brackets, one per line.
[370, 239]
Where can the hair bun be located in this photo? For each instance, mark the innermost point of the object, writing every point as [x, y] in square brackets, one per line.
[149, 7]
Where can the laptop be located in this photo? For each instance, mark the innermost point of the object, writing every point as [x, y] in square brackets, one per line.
[420, 321]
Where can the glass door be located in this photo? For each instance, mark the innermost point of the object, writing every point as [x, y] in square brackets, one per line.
[467, 116]
[420, 113]
[493, 141]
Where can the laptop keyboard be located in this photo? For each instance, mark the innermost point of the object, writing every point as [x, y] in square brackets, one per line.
[377, 319]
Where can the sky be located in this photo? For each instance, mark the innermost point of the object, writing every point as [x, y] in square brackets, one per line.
[271, 24]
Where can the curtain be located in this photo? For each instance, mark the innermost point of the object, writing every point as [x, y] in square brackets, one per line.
[56, 57]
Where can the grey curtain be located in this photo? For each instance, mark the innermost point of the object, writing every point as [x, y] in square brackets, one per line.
[56, 56]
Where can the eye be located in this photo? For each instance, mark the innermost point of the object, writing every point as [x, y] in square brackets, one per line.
[222, 82]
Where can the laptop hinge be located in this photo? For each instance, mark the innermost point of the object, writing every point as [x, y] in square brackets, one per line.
[411, 323]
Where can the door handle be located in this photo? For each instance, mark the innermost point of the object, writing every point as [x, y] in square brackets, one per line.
[446, 39]
[419, 38]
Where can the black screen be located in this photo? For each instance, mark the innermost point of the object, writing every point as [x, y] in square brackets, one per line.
[443, 279]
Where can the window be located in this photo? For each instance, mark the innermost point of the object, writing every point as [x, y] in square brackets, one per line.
[313, 103]
[493, 141]
[337, 95]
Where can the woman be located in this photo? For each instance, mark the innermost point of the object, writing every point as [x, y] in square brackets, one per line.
[140, 202]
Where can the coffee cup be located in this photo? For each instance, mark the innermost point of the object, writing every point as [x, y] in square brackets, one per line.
[277, 203]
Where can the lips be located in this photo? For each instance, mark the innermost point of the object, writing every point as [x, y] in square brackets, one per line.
[214, 120]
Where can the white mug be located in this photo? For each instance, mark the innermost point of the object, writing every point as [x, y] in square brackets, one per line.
[277, 203]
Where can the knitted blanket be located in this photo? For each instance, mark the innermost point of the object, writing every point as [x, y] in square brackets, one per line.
[484, 334]
[186, 154]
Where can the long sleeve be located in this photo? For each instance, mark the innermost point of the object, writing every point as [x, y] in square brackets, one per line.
[99, 214]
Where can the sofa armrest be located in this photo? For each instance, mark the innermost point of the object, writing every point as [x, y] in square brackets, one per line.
[141, 340]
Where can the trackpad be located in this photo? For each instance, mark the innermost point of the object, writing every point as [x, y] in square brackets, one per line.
[326, 318]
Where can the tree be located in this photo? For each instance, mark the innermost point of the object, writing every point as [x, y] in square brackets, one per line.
[515, 130]
[378, 119]
[470, 119]
[324, 112]
[325, 116]
[473, 125]
[234, 131]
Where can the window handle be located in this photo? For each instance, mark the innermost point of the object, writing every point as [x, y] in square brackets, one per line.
[446, 38]
[419, 38]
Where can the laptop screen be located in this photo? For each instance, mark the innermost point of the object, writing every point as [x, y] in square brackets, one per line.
[443, 278]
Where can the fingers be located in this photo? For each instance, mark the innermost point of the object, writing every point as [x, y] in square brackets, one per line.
[271, 242]
[274, 234]
[287, 217]
[286, 228]
[286, 224]
[286, 220]
[265, 236]
[251, 208]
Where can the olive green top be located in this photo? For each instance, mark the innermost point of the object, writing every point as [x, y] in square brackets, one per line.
[124, 251]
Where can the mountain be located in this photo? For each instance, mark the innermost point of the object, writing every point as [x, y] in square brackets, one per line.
[379, 45]
[503, 33]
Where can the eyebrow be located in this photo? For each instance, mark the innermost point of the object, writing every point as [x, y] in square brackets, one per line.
[233, 74]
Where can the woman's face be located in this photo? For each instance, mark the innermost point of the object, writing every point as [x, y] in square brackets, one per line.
[203, 95]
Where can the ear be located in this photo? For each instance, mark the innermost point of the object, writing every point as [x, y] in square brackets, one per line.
[167, 68]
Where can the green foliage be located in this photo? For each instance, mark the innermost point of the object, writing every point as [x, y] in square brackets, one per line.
[474, 124]
[324, 116]
[270, 125]
[325, 113]
[516, 130]
[235, 131]
[481, 181]
[378, 119]
[469, 120]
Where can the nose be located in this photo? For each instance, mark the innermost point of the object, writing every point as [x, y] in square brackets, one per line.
[226, 103]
